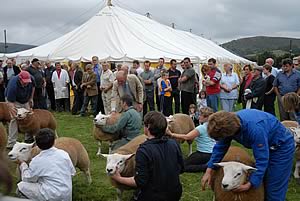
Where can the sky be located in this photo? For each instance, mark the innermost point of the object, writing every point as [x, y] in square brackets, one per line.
[37, 22]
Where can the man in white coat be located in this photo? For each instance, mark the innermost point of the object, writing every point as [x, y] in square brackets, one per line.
[60, 80]
[49, 175]
[107, 80]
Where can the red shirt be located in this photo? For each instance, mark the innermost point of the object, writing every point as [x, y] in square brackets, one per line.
[215, 76]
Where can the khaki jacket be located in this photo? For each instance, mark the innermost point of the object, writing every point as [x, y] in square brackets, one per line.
[90, 80]
[136, 89]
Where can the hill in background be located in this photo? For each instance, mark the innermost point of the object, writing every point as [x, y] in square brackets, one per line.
[13, 47]
[249, 47]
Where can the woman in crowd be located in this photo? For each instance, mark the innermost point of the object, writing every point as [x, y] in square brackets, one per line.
[229, 84]
[197, 161]
[291, 103]
[270, 95]
[245, 83]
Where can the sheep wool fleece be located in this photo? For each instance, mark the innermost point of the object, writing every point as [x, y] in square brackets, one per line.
[273, 149]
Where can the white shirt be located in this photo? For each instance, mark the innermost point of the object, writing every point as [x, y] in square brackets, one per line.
[52, 170]
[60, 84]
[107, 78]
[139, 70]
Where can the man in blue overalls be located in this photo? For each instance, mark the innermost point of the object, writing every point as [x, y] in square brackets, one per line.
[272, 144]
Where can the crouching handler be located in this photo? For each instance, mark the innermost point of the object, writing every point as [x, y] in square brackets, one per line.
[272, 145]
[158, 164]
[129, 124]
[49, 174]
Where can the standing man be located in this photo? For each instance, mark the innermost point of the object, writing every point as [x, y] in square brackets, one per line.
[127, 84]
[157, 75]
[187, 84]
[1, 66]
[148, 79]
[97, 69]
[213, 85]
[19, 94]
[76, 79]
[174, 75]
[40, 83]
[274, 71]
[60, 80]
[287, 80]
[137, 67]
[9, 71]
[107, 80]
[49, 86]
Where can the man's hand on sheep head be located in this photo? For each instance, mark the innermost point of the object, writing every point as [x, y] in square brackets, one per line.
[244, 187]
[117, 175]
[12, 109]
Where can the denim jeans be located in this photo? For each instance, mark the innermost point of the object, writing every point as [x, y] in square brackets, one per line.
[213, 101]
[86, 101]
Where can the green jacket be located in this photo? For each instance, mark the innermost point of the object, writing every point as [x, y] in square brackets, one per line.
[129, 124]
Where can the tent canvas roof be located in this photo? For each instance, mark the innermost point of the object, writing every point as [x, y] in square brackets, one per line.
[116, 34]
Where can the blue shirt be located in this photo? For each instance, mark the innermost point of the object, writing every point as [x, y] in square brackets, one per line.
[204, 143]
[287, 83]
[15, 92]
[259, 131]
[97, 70]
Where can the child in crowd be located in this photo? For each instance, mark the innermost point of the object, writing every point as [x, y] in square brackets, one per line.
[49, 175]
[197, 161]
[158, 164]
[201, 100]
[165, 94]
[194, 114]
[291, 103]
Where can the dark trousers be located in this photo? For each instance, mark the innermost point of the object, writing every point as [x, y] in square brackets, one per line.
[196, 162]
[157, 98]
[86, 101]
[269, 104]
[62, 104]
[186, 100]
[100, 106]
[176, 97]
[78, 101]
[51, 96]
[149, 101]
[2, 90]
[165, 105]
[39, 99]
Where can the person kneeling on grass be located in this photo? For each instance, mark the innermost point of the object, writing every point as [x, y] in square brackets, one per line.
[49, 174]
[158, 164]
[291, 103]
[197, 161]
[129, 124]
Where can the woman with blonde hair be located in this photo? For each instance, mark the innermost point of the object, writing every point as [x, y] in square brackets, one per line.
[291, 103]
[197, 161]
[272, 145]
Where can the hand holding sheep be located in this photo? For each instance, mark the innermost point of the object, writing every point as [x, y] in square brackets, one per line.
[244, 187]
[206, 179]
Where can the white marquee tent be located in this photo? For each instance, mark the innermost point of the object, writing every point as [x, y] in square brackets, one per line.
[116, 34]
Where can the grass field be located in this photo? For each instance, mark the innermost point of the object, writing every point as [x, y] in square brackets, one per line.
[101, 189]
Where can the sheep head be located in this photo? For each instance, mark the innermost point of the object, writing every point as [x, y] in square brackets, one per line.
[21, 152]
[296, 133]
[235, 174]
[116, 161]
[22, 113]
[100, 119]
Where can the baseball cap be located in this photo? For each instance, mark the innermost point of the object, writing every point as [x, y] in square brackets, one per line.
[34, 60]
[25, 76]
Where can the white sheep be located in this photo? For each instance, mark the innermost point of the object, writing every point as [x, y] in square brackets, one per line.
[183, 124]
[32, 121]
[101, 120]
[123, 159]
[236, 167]
[77, 152]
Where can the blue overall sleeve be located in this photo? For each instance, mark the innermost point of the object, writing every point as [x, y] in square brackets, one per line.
[219, 151]
[260, 148]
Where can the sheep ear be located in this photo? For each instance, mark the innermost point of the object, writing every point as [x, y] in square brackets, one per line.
[105, 155]
[219, 164]
[249, 169]
[33, 144]
[127, 157]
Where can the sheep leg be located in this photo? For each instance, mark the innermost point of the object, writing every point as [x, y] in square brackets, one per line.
[56, 135]
[99, 148]
[297, 170]
[88, 176]
[190, 149]
[119, 194]
[110, 148]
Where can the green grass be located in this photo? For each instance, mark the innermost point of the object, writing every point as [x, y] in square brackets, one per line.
[101, 189]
